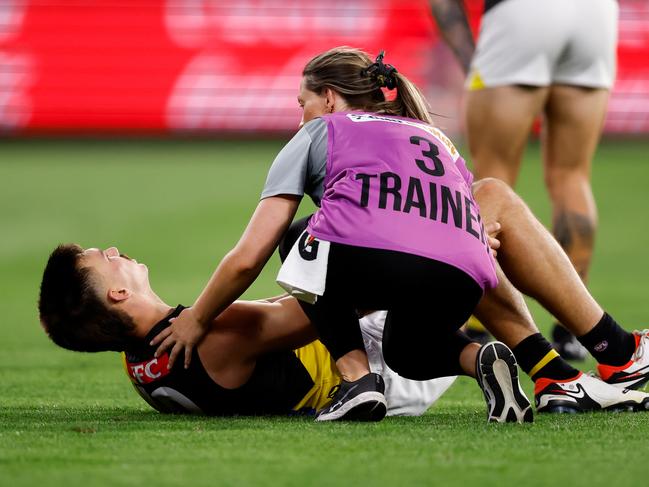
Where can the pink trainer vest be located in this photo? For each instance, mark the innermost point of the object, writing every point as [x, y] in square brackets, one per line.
[399, 184]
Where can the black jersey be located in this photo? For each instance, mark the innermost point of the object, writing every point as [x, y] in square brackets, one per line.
[277, 384]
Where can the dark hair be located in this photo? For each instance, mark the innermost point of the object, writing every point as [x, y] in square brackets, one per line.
[72, 313]
[345, 70]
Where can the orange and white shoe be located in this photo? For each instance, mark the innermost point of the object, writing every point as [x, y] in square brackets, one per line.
[584, 394]
[635, 373]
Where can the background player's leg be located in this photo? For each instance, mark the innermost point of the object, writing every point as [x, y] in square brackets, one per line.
[498, 123]
[573, 122]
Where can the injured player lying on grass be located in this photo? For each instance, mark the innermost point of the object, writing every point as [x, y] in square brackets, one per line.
[258, 357]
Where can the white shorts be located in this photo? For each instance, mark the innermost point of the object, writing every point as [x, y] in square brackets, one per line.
[544, 42]
[405, 397]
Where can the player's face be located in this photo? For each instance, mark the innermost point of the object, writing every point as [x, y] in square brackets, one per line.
[116, 269]
[312, 104]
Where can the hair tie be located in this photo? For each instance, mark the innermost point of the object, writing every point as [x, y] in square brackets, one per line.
[381, 74]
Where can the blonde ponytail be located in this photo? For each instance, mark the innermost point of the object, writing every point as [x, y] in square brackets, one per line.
[352, 74]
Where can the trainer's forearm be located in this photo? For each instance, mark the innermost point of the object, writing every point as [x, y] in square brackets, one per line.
[230, 279]
[241, 266]
[454, 28]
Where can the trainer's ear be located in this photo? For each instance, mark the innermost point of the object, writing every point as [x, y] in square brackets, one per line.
[330, 100]
[117, 295]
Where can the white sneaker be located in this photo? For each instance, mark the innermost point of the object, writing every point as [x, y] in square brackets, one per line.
[635, 373]
[585, 393]
[497, 375]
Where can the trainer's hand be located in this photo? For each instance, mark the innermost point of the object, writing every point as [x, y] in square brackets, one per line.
[184, 333]
[493, 229]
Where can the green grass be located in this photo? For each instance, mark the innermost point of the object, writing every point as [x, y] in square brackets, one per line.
[72, 419]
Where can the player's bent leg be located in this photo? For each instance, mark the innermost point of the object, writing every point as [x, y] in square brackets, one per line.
[531, 258]
[504, 312]
[498, 123]
[559, 388]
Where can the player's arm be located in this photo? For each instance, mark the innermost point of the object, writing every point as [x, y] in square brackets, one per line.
[247, 330]
[454, 28]
[267, 327]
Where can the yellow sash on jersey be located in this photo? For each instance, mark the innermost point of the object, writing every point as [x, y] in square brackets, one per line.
[322, 369]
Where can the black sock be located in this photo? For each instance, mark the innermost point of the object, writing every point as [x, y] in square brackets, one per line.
[538, 359]
[608, 342]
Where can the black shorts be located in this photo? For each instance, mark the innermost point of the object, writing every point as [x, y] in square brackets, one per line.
[427, 302]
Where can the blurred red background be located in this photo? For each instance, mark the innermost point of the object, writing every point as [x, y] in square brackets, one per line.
[155, 66]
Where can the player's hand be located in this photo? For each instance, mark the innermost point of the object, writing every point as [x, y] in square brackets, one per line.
[184, 333]
[492, 229]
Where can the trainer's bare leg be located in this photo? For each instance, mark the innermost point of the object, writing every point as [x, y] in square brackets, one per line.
[498, 123]
[573, 122]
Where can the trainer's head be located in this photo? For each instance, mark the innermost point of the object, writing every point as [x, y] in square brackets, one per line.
[345, 78]
[84, 295]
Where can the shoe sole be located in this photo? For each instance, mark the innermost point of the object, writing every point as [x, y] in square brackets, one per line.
[368, 406]
[557, 407]
[630, 407]
[497, 374]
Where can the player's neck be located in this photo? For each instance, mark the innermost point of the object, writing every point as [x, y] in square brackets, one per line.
[147, 312]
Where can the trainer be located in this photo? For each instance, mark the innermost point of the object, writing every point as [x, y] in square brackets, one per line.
[397, 227]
